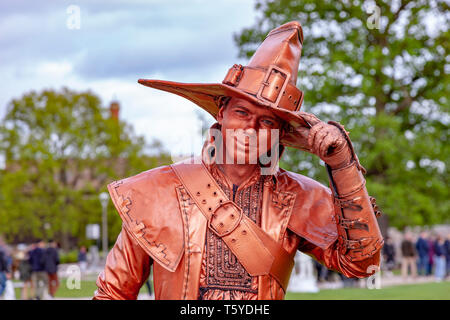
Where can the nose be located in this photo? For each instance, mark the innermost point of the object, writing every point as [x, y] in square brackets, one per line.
[252, 124]
[250, 131]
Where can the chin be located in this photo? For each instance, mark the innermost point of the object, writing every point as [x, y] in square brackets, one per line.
[246, 155]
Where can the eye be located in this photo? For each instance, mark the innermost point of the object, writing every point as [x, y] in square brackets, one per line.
[268, 122]
[241, 112]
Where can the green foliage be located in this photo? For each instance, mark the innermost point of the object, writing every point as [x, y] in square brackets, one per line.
[68, 257]
[61, 149]
[388, 86]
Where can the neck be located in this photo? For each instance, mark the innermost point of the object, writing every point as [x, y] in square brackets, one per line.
[238, 173]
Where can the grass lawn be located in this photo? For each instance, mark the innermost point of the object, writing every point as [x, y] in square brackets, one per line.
[86, 289]
[425, 291]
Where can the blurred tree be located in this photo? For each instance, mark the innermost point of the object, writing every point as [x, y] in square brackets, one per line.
[60, 150]
[381, 69]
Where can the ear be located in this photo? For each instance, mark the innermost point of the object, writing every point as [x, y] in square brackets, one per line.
[284, 128]
[220, 115]
[223, 105]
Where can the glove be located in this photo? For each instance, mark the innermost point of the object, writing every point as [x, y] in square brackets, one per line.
[326, 140]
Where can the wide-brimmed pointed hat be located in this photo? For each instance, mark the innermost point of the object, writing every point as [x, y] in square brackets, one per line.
[269, 79]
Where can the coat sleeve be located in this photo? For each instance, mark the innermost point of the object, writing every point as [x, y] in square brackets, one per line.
[126, 270]
[356, 252]
[333, 259]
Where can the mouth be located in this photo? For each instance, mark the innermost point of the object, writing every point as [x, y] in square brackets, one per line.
[242, 145]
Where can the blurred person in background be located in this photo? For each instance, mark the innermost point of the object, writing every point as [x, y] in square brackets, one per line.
[348, 282]
[31, 248]
[439, 258]
[148, 284]
[389, 254]
[447, 254]
[430, 260]
[422, 251]
[6, 274]
[321, 271]
[3, 271]
[408, 257]
[38, 273]
[51, 262]
[82, 259]
[7, 254]
[25, 274]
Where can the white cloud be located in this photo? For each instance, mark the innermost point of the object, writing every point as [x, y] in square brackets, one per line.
[54, 69]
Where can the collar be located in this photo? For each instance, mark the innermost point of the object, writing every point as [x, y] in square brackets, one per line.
[218, 173]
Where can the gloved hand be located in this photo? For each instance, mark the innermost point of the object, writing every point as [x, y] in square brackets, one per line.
[327, 141]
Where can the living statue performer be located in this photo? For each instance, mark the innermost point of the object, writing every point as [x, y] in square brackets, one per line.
[221, 226]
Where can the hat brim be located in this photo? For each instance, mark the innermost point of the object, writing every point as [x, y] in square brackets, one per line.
[207, 96]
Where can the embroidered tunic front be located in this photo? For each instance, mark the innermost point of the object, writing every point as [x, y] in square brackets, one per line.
[222, 275]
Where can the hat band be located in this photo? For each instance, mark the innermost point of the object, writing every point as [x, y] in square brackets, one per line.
[271, 86]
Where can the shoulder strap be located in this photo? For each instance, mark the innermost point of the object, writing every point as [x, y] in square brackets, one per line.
[258, 252]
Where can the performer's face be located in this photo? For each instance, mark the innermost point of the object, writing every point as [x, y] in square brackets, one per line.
[248, 130]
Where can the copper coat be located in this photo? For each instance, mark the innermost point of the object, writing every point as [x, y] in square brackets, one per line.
[162, 226]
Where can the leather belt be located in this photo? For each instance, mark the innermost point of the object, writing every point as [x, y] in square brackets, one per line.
[258, 252]
[270, 85]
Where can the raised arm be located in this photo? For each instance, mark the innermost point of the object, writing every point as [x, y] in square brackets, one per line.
[356, 253]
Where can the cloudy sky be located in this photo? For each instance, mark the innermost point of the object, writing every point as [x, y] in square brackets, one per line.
[118, 42]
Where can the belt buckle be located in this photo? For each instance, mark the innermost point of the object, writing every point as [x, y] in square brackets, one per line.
[224, 230]
[286, 75]
[234, 75]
